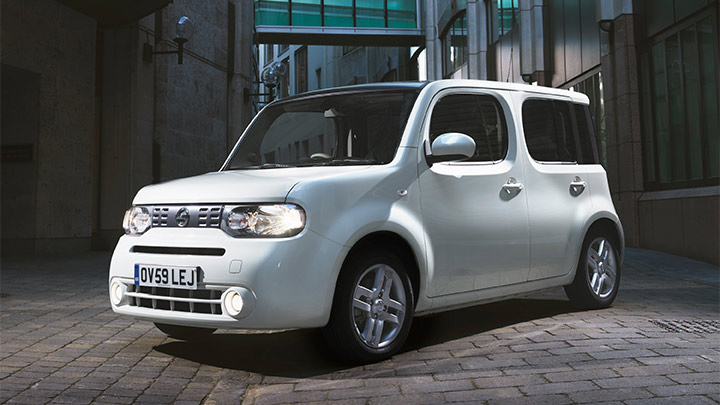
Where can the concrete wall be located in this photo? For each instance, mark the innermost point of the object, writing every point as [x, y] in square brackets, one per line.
[163, 120]
[682, 223]
[52, 40]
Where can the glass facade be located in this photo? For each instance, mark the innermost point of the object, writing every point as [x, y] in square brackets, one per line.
[454, 46]
[679, 90]
[338, 13]
[508, 15]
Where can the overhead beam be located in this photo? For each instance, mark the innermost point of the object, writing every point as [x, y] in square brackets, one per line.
[271, 34]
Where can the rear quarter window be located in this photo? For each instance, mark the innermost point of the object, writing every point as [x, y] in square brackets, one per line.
[558, 132]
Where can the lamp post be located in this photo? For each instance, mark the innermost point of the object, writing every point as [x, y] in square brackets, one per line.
[183, 33]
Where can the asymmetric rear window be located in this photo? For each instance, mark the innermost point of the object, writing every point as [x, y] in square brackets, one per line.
[559, 132]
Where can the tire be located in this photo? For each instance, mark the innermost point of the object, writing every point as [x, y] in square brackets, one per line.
[184, 332]
[369, 323]
[597, 277]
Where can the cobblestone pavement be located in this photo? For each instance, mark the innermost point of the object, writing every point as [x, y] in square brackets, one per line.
[61, 343]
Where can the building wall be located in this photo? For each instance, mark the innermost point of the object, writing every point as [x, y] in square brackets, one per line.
[682, 221]
[57, 45]
[109, 122]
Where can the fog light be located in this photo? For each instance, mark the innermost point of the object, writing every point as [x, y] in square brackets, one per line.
[233, 303]
[238, 302]
[117, 292]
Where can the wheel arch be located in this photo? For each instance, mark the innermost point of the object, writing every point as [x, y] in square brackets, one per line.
[610, 227]
[397, 244]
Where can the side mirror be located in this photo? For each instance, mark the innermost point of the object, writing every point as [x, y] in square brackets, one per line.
[451, 146]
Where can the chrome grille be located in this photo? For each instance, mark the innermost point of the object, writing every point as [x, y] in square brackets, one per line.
[201, 216]
[202, 301]
[160, 216]
[209, 216]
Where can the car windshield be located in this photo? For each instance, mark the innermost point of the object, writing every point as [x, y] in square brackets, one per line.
[349, 128]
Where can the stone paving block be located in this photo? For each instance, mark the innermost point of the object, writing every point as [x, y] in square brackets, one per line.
[436, 386]
[630, 382]
[483, 394]
[620, 394]
[364, 392]
[661, 369]
[314, 385]
[696, 378]
[415, 399]
[558, 388]
[508, 381]
[684, 400]
[685, 389]
[555, 399]
[579, 375]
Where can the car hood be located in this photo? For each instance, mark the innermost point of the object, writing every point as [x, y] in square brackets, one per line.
[236, 186]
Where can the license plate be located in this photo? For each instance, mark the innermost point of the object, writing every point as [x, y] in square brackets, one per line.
[151, 275]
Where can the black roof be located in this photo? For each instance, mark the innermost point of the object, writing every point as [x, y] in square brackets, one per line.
[385, 86]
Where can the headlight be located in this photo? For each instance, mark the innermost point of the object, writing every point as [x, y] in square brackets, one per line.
[276, 220]
[137, 220]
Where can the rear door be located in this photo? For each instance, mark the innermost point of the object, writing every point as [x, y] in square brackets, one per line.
[558, 180]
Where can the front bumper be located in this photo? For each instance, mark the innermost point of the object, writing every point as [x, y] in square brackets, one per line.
[291, 280]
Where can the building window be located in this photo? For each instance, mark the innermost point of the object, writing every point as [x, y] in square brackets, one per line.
[301, 76]
[508, 15]
[679, 95]
[454, 46]
[338, 13]
[269, 56]
[593, 88]
[284, 85]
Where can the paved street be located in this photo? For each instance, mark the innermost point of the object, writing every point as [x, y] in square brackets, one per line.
[61, 343]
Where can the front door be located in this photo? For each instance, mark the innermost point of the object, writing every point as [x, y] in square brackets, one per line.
[475, 211]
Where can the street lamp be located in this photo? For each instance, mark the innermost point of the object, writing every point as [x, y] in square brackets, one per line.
[183, 33]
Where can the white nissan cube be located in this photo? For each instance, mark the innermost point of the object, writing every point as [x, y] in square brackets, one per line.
[355, 209]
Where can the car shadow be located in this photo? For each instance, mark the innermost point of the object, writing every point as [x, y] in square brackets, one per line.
[303, 353]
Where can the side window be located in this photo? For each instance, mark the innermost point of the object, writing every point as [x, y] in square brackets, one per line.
[478, 116]
[549, 131]
[586, 135]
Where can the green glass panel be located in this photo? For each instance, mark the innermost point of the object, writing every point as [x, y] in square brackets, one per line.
[338, 13]
[708, 79]
[370, 13]
[402, 14]
[272, 12]
[691, 84]
[306, 13]
[662, 126]
[675, 102]
[647, 120]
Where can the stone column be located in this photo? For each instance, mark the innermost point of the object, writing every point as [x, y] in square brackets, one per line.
[239, 112]
[622, 107]
[477, 39]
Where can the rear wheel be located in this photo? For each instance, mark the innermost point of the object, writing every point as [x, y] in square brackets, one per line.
[597, 278]
[184, 332]
[373, 308]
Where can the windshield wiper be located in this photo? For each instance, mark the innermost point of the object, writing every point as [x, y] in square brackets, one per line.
[264, 166]
[351, 161]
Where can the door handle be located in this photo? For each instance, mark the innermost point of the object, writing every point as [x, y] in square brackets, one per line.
[578, 185]
[512, 186]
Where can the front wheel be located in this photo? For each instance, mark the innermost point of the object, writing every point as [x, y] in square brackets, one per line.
[184, 332]
[372, 309]
[597, 278]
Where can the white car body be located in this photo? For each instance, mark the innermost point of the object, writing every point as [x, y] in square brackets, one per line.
[470, 243]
